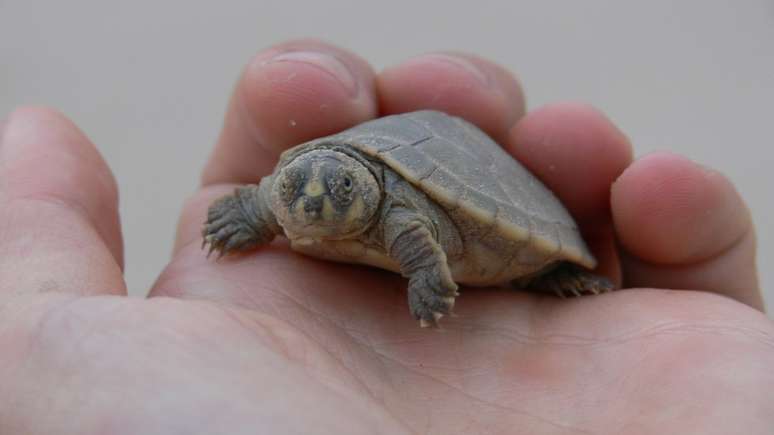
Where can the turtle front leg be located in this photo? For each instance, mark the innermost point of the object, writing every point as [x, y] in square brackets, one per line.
[241, 221]
[411, 240]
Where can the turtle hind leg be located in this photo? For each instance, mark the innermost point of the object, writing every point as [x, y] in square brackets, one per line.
[568, 279]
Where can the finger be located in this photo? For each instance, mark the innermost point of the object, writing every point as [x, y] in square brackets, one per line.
[459, 84]
[684, 226]
[578, 153]
[290, 93]
[59, 226]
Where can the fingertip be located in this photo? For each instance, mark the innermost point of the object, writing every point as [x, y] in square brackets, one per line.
[670, 210]
[45, 153]
[460, 84]
[292, 92]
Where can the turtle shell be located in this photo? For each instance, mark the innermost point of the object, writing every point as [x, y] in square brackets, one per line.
[469, 174]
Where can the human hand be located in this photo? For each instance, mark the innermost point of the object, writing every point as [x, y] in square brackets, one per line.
[274, 342]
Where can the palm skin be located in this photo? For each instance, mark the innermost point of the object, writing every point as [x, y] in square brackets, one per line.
[274, 342]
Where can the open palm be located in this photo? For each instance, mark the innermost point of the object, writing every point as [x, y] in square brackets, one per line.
[274, 342]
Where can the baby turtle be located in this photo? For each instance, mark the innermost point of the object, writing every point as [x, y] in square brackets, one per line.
[423, 194]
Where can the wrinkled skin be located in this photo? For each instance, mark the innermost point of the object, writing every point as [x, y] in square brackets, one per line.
[274, 342]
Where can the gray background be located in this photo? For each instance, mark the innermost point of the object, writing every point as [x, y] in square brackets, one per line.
[148, 80]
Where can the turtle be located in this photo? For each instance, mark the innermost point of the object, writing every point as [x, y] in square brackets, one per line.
[424, 194]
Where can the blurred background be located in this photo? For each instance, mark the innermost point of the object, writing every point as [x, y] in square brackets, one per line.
[148, 80]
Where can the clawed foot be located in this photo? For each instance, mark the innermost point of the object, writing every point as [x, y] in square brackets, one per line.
[571, 280]
[227, 229]
[431, 295]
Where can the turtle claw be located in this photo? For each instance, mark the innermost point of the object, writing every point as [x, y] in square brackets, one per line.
[213, 245]
[230, 227]
[569, 280]
[430, 298]
[424, 323]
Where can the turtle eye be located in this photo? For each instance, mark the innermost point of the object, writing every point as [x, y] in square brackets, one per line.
[347, 183]
[289, 185]
[341, 186]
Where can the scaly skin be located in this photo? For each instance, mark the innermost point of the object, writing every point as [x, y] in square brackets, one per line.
[241, 221]
[409, 238]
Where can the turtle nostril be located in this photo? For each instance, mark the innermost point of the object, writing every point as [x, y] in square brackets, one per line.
[313, 205]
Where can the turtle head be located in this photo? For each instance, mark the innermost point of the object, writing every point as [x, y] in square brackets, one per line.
[325, 194]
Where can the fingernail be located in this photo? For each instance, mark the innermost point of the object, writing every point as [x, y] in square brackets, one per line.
[325, 62]
[461, 63]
